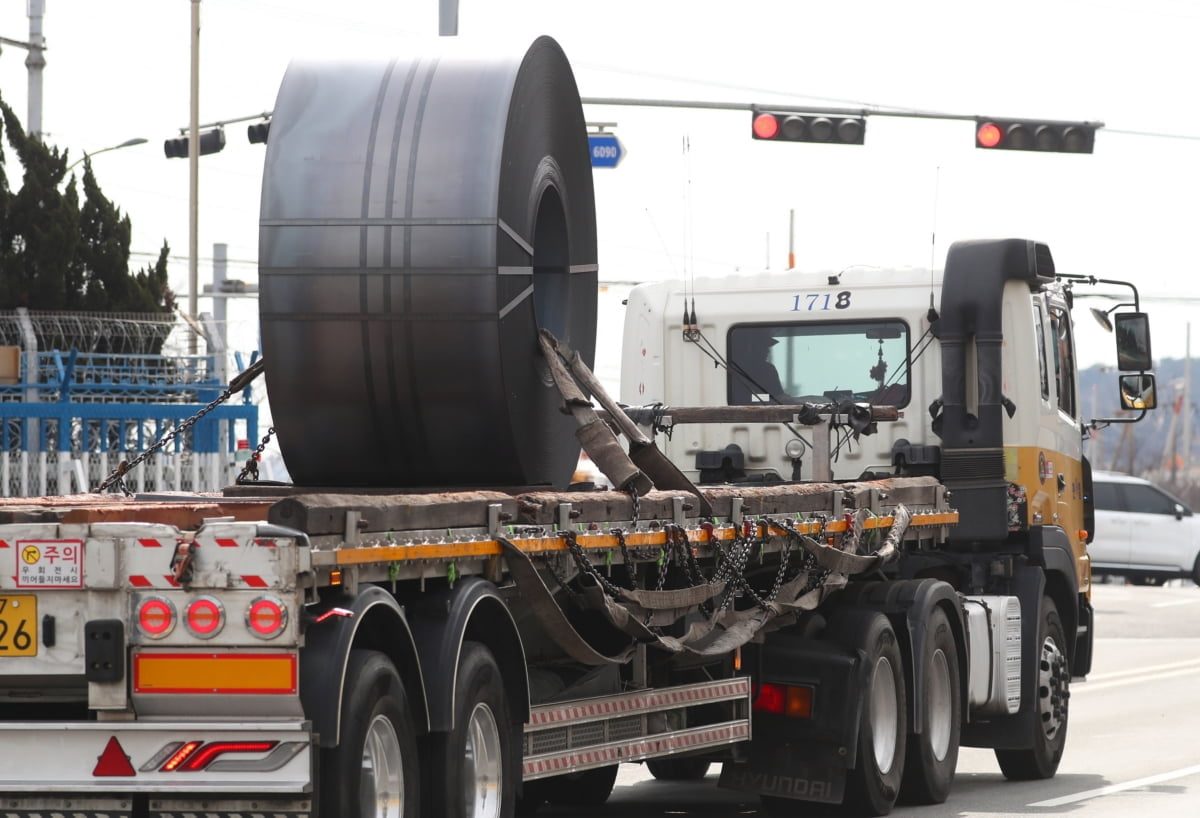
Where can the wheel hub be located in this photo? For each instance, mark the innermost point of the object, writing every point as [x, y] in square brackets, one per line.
[1053, 688]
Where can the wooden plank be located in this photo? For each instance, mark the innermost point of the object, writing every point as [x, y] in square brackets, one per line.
[185, 511]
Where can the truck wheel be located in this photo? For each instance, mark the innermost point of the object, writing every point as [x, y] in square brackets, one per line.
[932, 754]
[1196, 570]
[1053, 694]
[589, 788]
[472, 767]
[373, 770]
[678, 769]
[874, 783]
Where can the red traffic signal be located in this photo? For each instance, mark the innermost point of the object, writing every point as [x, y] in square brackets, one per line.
[790, 126]
[1035, 135]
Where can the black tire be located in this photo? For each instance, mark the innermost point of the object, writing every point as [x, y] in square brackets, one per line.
[874, 783]
[932, 754]
[589, 788]
[377, 742]
[1196, 570]
[1041, 760]
[678, 769]
[472, 770]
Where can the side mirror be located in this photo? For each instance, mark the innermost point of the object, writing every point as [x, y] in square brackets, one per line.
[1138, 392]
[1133, 341]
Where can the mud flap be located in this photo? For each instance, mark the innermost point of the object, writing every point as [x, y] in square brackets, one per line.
[780, 775]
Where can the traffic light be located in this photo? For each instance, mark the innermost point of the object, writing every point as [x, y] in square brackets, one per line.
[789, 126]
[257, 133]
[1035, 135]
[210, 142]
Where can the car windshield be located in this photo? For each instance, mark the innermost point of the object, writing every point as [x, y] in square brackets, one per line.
[819, 362]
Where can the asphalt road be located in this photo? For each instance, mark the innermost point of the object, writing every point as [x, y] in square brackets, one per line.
[1131, 746]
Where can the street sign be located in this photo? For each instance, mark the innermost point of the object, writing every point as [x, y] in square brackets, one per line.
[606, 150]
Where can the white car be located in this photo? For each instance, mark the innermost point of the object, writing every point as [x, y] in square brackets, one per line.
[1142, 532]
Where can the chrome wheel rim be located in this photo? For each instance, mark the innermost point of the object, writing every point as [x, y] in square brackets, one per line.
[381, 784]
[1053, 693]
[884, 714]
[482, 766]
[941, 703]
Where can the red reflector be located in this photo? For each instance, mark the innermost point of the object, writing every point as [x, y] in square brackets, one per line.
[988, 135]
[770, 698]
[766, 126]
[113, 761]
[210, 751]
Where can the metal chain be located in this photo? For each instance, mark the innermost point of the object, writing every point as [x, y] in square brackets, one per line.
[236, 385]
[551, 562]
[251, 467]
[630, 568]
[585, 565]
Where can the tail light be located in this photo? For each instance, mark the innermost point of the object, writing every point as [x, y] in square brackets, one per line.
[783, 700]
[155, 616]
[204, 617]
[266, 617]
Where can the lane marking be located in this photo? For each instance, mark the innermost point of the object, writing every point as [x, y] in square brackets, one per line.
[1175, 602]
[1115, 788]
[1141, 671]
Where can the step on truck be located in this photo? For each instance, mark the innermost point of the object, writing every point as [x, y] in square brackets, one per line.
[429, 620]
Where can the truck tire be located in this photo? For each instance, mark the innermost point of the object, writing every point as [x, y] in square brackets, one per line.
[1196, 570]
[472, 768]
[1054, 678]
[375, 763]
[874, 783]
[678, 769]
[932, 754]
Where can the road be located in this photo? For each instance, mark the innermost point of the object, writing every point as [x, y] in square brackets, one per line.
[1131, 745]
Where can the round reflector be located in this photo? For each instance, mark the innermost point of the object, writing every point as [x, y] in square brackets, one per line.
[155, 617]
[766, 126]
[205, 617]
[266, 617]
[988, 135]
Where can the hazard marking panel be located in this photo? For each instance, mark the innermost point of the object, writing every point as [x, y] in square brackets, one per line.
[649, 747]
[648, 701]
[49, 563]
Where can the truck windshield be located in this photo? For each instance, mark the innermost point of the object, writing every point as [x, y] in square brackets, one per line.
[819, 362]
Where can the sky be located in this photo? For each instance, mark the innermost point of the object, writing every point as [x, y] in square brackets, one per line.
[694, 194]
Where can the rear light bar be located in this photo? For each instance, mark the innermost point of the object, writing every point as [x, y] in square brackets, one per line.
[783, 700]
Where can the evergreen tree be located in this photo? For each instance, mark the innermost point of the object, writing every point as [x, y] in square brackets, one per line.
[59, 254]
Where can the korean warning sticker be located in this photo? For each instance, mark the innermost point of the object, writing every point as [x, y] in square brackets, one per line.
[49, 563]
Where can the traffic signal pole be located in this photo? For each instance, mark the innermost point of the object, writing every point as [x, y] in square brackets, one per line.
[194, 180]
[1077, 133]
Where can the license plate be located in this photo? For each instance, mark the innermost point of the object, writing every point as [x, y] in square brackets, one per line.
[18, 625]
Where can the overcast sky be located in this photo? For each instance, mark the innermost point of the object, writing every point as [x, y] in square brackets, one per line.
[119, 68]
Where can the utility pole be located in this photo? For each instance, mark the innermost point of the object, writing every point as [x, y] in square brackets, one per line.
[35, 61]
[194, 179]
